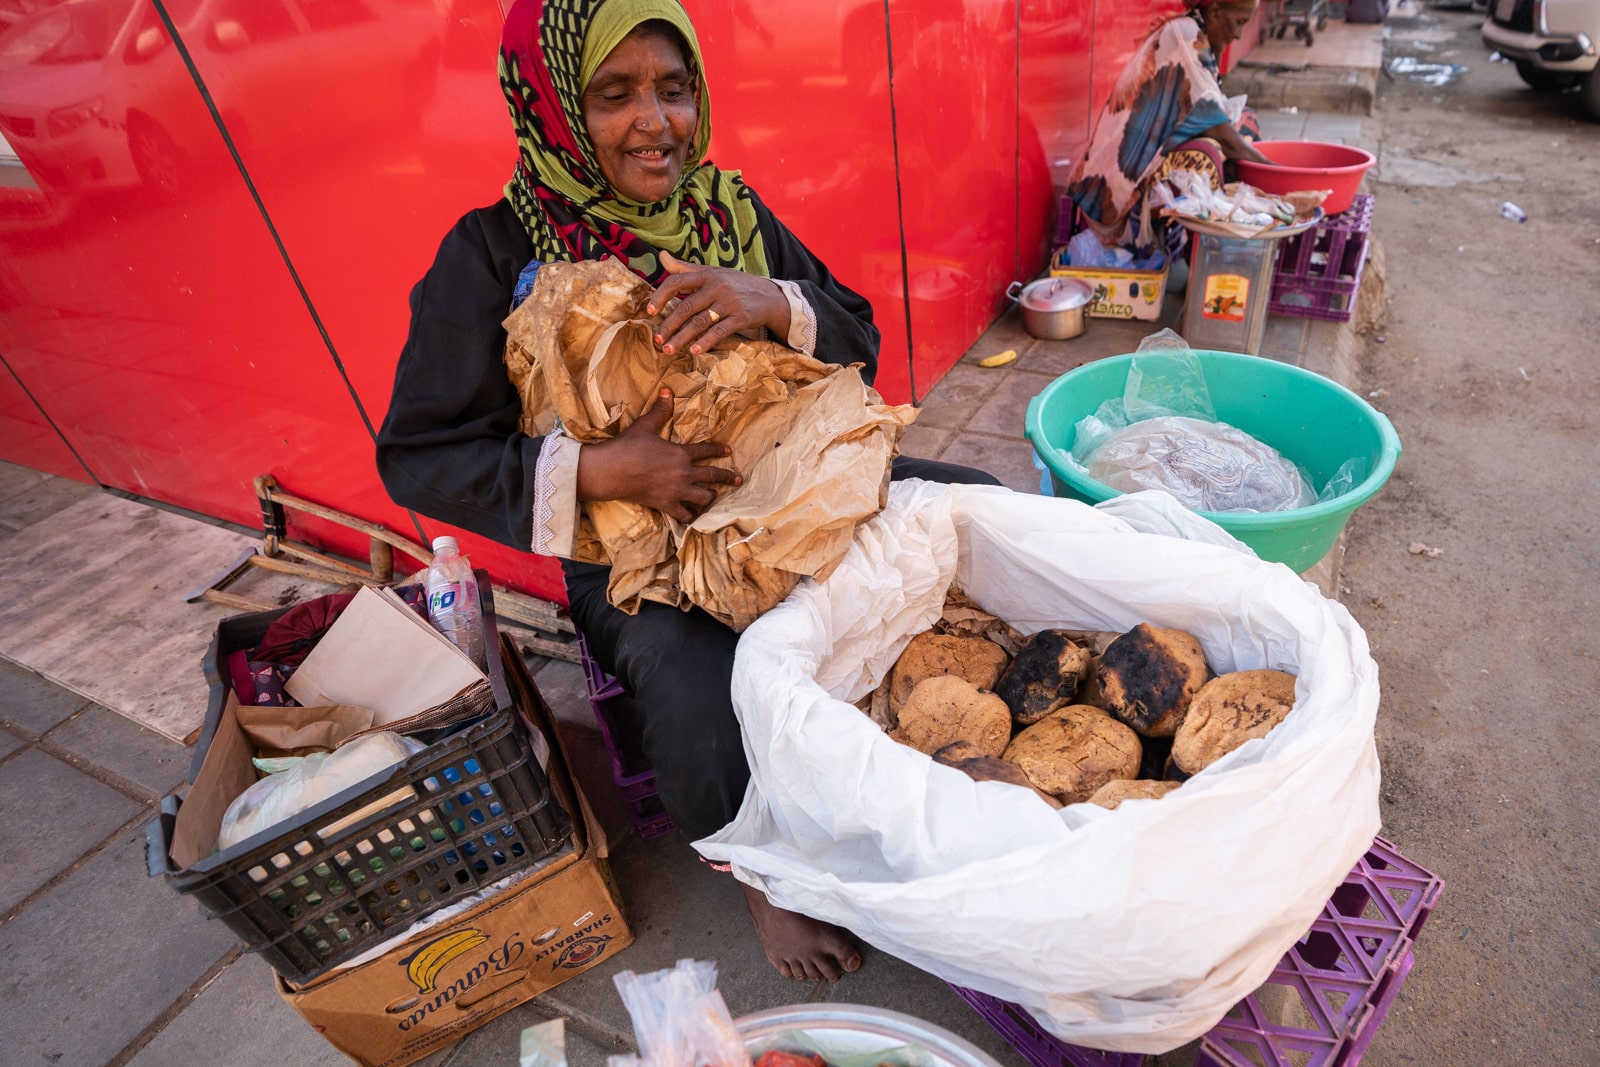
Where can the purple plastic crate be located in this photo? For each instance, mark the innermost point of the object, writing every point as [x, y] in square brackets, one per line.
[1318, 273]
[1254, 1038]
[1035, 1044]
[638, 788]
[1324, 1000]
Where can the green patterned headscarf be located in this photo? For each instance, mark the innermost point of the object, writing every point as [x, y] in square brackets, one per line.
[548, 52]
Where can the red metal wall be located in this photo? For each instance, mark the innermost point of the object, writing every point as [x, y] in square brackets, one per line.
[204, 265]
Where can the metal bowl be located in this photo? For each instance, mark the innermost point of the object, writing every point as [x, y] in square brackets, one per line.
[1053, 309]
[843, 1031]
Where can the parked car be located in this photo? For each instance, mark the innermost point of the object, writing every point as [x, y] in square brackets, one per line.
[94, 96]
[1554, 43]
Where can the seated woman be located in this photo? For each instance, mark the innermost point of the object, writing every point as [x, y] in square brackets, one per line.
[1166, 112]
[610, 106]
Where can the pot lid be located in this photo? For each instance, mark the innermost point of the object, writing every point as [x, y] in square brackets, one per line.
[1056, 294]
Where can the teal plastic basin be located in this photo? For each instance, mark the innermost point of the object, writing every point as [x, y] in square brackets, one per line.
[1316, 423]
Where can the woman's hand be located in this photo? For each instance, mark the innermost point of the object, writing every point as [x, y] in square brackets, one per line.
[639, 466]
[714, 303]
[1251, 153]
[1234, 146]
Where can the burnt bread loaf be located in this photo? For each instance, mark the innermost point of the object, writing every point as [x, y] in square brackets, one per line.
[1045, 675]
[1148, 676]
[1228, 711]
[1075, 750]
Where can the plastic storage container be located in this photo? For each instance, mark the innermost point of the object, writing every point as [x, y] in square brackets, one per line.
[1230, 284]
[1316, 423]
[1322, 1004]
[1319, 271]
[857, 1033]
[1325, 1000]
[636, 784]
[339, 879]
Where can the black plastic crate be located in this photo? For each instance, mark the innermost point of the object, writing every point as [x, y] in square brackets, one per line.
[359, 868]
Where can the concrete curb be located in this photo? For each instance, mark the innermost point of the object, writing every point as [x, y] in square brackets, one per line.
[1339, 90]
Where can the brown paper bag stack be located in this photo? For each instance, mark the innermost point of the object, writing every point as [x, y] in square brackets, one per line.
[812, 440]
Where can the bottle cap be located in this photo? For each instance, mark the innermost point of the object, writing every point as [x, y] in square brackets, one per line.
[445, 541]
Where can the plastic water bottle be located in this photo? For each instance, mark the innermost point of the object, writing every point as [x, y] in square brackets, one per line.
[1513, 212]
[453, 598]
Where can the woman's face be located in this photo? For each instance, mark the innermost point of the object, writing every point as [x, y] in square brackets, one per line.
[1225, 22]
[640, 111]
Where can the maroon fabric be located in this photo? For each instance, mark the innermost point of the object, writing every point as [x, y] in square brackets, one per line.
[244, 686]
[291, 635]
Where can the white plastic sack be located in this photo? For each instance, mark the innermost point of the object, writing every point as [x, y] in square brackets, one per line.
[1131, 930]
[306, 781]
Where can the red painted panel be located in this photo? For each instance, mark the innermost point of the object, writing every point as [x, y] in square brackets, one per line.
[152, 317]
[28, 436]
[1056, 109]
[955, 94]
[800, 104]
[367, 129]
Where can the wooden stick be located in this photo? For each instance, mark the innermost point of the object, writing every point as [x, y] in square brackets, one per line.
[267, 485]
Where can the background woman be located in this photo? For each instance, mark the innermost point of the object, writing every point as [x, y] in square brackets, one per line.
[1167, 111]
[613, 119]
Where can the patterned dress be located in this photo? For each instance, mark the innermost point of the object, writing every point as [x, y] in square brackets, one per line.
[1167, 95]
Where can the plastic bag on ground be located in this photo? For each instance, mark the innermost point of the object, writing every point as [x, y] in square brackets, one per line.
[1132, 929]
[679, 1019]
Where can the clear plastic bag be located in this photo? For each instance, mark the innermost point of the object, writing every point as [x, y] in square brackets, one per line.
[1163, 433]
[1189, 193]
[679, 1019]
[1207, 466]
[1085, 250]
[296, 783]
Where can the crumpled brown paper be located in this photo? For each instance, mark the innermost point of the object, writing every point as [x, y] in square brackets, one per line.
[280, 731]
[813, 441]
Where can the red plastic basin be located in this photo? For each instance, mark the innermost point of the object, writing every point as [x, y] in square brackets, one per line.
[1309, 165]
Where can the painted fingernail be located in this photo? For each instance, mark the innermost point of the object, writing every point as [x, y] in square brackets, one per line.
[659, 338]
[650, 309]
[667, 349]
[695, 349]
[738, 479]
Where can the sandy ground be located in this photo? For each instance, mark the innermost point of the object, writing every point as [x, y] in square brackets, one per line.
[1475, 571]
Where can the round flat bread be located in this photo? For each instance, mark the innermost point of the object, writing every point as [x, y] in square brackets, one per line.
[1228, 711]
[929, 655]
[945, 709]
[1113, 793]
[1075, 750]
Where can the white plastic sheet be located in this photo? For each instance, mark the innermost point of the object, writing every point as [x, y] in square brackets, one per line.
[1130, 930]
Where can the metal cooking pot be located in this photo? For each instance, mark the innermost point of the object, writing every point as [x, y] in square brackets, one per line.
[1054, 309]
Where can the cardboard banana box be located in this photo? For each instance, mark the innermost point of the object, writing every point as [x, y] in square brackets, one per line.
[450, 978]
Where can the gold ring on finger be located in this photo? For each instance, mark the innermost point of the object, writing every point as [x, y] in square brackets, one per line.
[713, 315]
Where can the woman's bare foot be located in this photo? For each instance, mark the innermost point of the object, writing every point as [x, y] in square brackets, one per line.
[800, 946]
